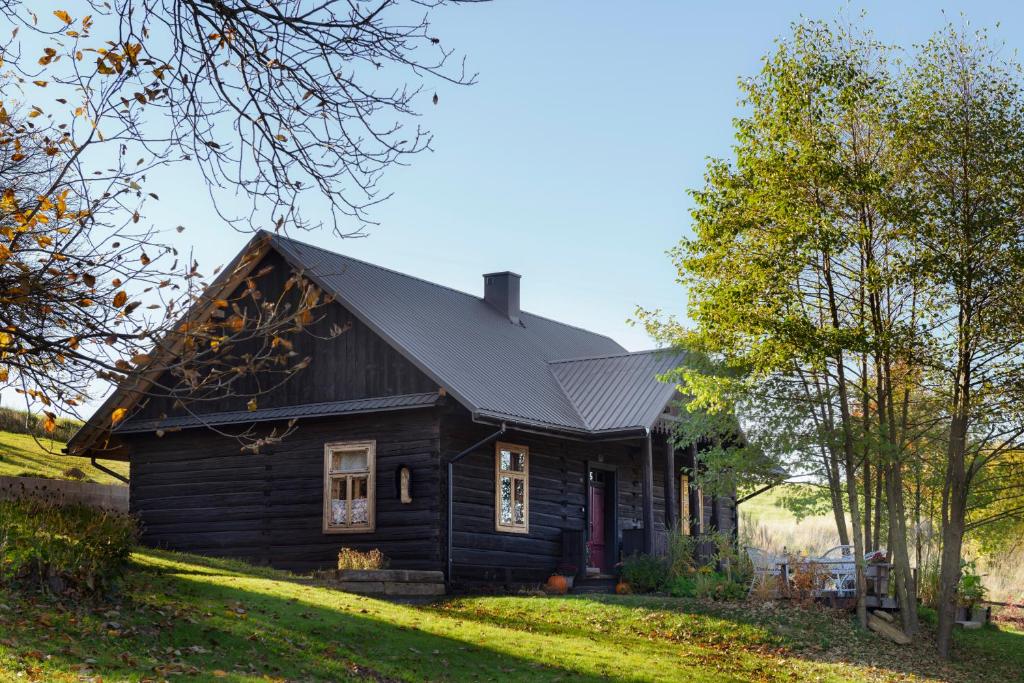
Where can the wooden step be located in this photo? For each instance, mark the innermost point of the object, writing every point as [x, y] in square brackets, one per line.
[594, 586]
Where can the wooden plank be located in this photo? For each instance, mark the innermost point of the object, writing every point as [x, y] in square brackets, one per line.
[647, 493]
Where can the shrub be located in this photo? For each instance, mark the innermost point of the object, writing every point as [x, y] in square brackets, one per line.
[715, 586]
[644, 573]
[736, 565]
[928, 584]
[970, 591]
[682, 587]
[60, 549]
[806, 579]
[681, 554]
[350, 558]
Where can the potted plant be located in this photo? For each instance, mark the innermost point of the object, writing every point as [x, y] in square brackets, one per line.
[568, 571]
[971, 593]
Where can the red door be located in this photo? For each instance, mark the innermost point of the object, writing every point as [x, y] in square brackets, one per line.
[595, 544]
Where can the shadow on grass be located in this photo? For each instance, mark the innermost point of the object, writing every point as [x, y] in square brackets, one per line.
[228, 624]
[813, 635]
[226, 620]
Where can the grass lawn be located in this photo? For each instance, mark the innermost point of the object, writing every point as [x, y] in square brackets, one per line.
[767, 506]
[23, 455]
[223, 620]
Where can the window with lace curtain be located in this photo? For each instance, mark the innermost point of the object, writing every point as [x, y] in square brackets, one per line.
[512, 488]
[349, 478]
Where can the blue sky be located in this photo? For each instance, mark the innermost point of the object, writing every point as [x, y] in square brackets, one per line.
[569, 161]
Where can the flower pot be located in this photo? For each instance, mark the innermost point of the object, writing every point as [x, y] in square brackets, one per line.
[979, 614]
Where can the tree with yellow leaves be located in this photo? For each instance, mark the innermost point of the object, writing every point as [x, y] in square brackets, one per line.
[279, 107]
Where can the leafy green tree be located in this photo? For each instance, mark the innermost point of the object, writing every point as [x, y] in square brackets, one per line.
[859, 264]
[963, 133]
[773, 270]
[290, 112]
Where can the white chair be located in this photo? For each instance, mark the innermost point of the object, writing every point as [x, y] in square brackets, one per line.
[766, 566]
[842, 569]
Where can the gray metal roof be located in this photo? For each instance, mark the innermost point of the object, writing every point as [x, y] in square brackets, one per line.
[364, 405]
[620, 391]
[497, 369]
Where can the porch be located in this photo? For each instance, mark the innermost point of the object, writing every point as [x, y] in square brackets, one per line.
[669, 503]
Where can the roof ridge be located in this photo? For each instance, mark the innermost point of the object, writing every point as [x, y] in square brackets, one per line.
[664, 349]
[284, 238]
[377, 266]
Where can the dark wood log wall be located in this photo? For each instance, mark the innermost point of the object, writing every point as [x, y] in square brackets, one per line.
[356, 364]
[194, 491]
[558, 470]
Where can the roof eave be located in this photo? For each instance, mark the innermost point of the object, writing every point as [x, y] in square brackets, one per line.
[582, 434]
[383, 404]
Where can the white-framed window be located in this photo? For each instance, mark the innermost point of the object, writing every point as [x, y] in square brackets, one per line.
[349, 487]
[511, 488]
[684, 504]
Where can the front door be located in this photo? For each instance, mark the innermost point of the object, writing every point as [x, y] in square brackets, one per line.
[597, 555]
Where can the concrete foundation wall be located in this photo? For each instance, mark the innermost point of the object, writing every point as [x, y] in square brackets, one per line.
[105, 496]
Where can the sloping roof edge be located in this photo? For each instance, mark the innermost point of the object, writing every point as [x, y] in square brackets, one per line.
[128, 393]
[282, 248]
[327, 409]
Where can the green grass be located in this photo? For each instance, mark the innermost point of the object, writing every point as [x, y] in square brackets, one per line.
[225, 620]
[767, 506]
[25, 455]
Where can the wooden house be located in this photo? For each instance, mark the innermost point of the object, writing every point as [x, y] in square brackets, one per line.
[451, 431]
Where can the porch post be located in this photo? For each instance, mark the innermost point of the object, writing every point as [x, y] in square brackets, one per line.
[671, 478]
[647, 491]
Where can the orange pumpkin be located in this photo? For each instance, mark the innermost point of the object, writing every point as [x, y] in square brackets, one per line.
[557, 584]
[622, 588]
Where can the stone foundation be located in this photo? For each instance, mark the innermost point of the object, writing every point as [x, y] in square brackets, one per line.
[398, 583]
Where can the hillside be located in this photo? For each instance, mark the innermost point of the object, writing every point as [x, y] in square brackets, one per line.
[225, 620]
[766, 523]
[26, 455]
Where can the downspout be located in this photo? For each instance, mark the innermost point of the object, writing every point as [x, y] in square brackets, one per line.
[106, 470]
[451, 481]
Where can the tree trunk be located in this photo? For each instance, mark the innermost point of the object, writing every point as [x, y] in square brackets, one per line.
[867, 499]
[876, 542]
[824, 421]
[866, 419]
[836, 492]
[906, 589]
[917, 515]
[849, 454]
[953, 518]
